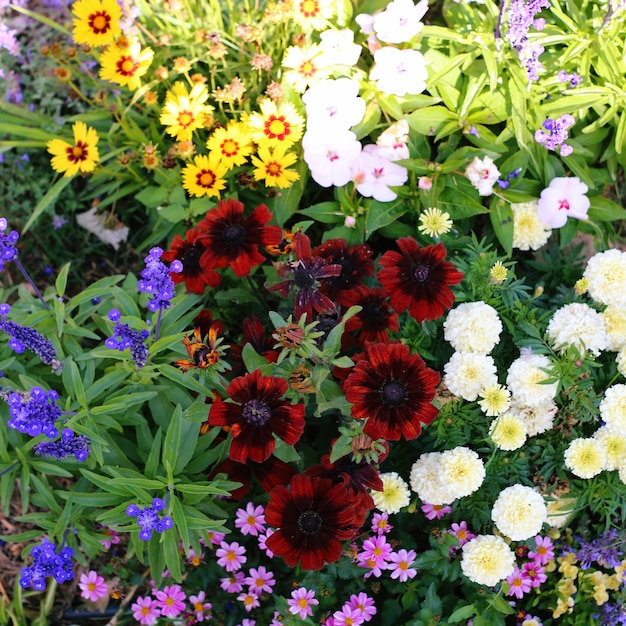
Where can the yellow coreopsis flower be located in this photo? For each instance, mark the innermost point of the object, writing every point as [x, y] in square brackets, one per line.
[184, 112]
[96, 22]
[82, 156]
[271, 167]
[276, 124]
[125, 64]
[205, 176]
[313, 14]
[232, 143]
[304, 67]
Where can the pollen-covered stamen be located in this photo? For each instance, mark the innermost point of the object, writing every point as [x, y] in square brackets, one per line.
[76, 153]
[126, 66]
[99, 22]
[205, 178]
[421, 273]
[256, 412]
[277, 127]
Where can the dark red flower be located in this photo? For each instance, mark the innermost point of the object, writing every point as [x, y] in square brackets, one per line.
[356, 263]
[418, 279]
[312, 517]
[258, 413]
[375, 319]
[305, 274]
[196, 272]
[232, 240]
[393, 389]
[254, 334]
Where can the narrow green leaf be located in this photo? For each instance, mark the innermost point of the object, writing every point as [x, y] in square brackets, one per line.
[462, 614]
[73, 382]
[50, 196]
[172, 437]
[501, 216]
[169, 545]
[156, 556]
[605, 210]
[61, 281]
[178, 516]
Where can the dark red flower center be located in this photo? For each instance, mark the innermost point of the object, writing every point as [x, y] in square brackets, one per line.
[302, 278]
[310, 522]
[421, 273]
[394, 393]
[256, 412]
[191, 259]
[234, 234]
[373, 312]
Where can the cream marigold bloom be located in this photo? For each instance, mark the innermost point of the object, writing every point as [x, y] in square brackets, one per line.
[473, 327]
[613, 408]
[526, 376]
[495, 400]
[467, 373]
[462, 470]
[508, 432]
[606, 273]
[537, 418]
[125, 64]
[620, 359]
[585, 457]
[614, 318]
[434, 222]
[529, 233]
[205, 177]
[184, 112]
[96, 22]
[622, 471]
[614, 444]
[487, 560]
[272, 167]
[394, 496]
[275, 125]
[305, 66]
[426, 482]
[578, 325]
[498, 273]
[232, 143]
[82, 156]
[519, 512]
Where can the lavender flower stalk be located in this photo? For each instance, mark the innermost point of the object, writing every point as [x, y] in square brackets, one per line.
[35, 412]
[46, 562]
[70, 444]
[23, 337]
[125, 337]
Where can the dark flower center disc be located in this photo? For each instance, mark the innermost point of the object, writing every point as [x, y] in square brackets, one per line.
[234, 234]
[302, 277]
[310, 522]
[421, 273]
[394, 393]
[191, 259]
[256, 412]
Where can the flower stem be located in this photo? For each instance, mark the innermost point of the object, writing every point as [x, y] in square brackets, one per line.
[26, 275]
[157, 328]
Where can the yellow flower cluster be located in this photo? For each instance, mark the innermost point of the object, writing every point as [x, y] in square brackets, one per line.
[566, 587]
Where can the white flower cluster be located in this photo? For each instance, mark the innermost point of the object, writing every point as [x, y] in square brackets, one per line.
[394, 496]
[442, 477]
[606, 276]
[519, 512]
[487, 559]
[529, 232]
[578, 325]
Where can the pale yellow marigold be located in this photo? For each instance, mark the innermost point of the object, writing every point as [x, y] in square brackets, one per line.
[529, 233]
[434, 222]
[508, 432]
[585, 457]
[487, 560]
[394, 496]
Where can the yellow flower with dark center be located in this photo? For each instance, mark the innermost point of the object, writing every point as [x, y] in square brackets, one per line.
[205, 176]
[305, 66]
[313, 14]
[232, 143]
[184, 112]
[81, 156]
[275, 125]
[96, 22]
[271, 167]
[125, 65]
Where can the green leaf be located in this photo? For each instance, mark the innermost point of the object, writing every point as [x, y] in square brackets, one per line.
[73, 382]
[47, 200]
[286, 201]
[61, 281]
[501, 216]
[187, 380]
[174, 213]
[605, 210]
[620, 135]
[152, 463]
[180, 520]
[501, 605]
[172, 437]
[462, 614]
[169, 540]
[390, 105]
[325, 212]
[252, 360]
[152, 197]
[369, 122]
[156, 556]
[381, 214]
[430, 121]
[285, 452]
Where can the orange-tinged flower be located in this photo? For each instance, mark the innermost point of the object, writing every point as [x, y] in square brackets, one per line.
[202, 354]
[96, 22]
[81, 156]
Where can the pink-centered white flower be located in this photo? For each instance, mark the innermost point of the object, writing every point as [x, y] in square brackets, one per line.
[332, 105]
[400, 565]
[483, 174]
[348, 617]
[302, 602]
[400, 21]
[231, 556]
[564, 197]
[331, 157]
[260, 580]
[171, 600]
[363, 603]
[92, 586]
[399, 72]
[392, 142]
[373, 175]
[251, 520]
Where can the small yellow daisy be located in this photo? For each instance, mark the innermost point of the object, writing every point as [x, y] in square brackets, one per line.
[205, 177]
[434, 222]
[275, 125]
[271, 167]
[82, 156]
[96, 22]
[232, 143]
[184, 112]
[125, 64]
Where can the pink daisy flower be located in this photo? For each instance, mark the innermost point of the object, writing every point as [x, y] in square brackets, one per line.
[301, 602]
[214, 537]
[544, 552]
[201, 609]
[432, 511]
[113, 537]
[276, 621]
[92, 586]
[251, 520]
[260, 580]
[364, 603]
[248, 622]
[536, 573]
[380, 524]
[461, 533]
[400, 565]
[231, 556]
[145, 611]
[376, 549]
[234, 583]
[348, 617]
[262, 540]
[171, 600]
[519, 583]
[250, 601]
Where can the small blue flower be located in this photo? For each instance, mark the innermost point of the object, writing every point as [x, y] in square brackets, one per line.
[70, 444]
[125, 337]
[35, 412]
[46, 562]
[8, 251]
[156, 281]
[23, 337]
[148, 518]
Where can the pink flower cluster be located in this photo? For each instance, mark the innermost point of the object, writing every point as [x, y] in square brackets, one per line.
[532, 574]
[170, 602]
[358, 610]
[377, 555]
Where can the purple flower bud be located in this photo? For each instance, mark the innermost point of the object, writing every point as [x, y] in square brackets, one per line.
[114, 315]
